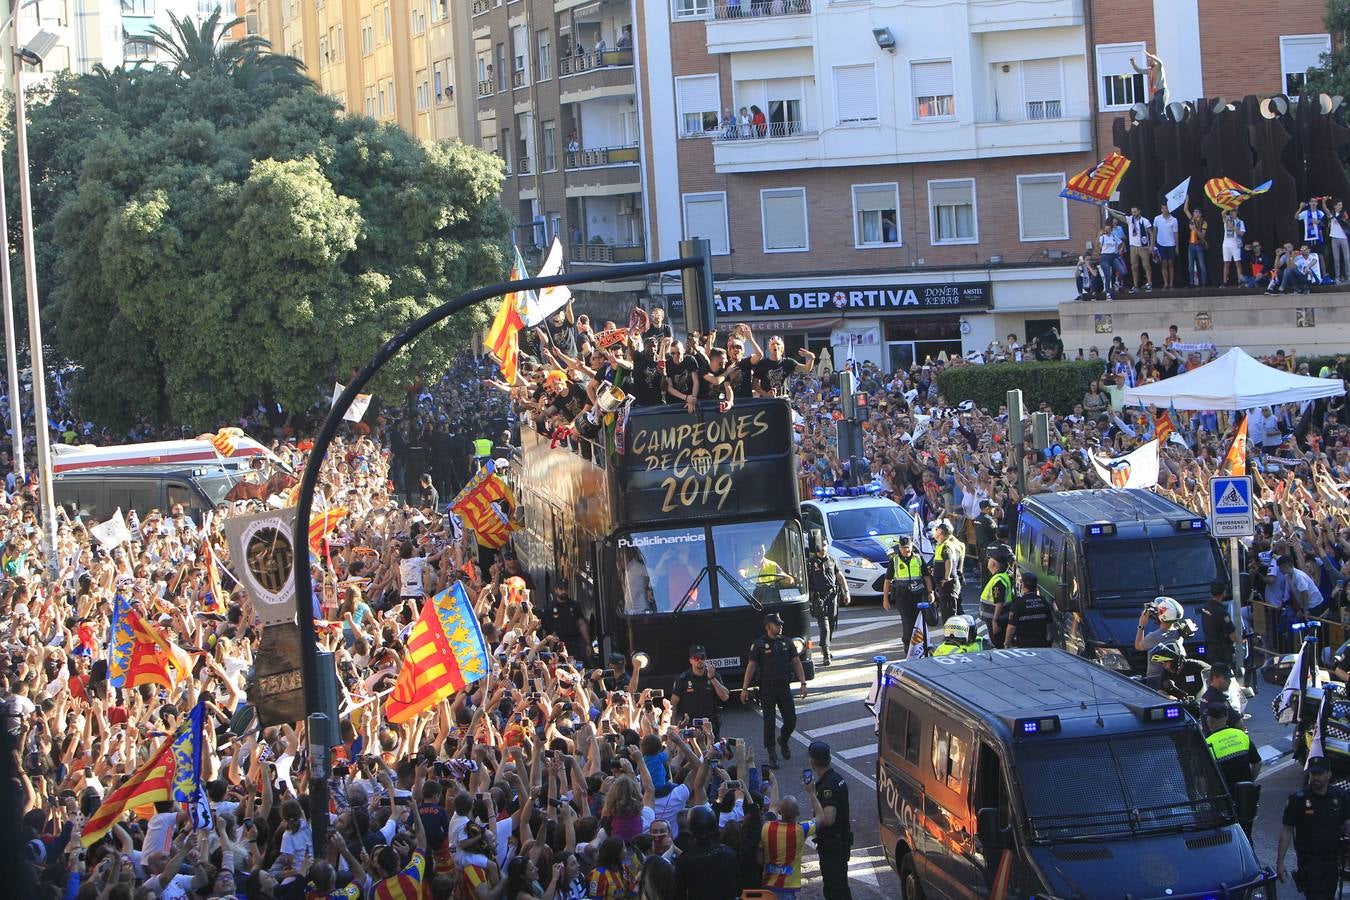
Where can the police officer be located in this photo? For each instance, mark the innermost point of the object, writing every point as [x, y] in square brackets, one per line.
[1232, 749]
[482, 454]
[828, 590]
[997, 594]
[776, 660]
[561, 616]
[1217, 624]
[1220, 690]
[1029, 617]
[1181, 678]
[986, 533]
[707, 870]
[948, 558]
[909, 582]
[960, 634]
[698, 693]
[834, 831]
[1315, 820]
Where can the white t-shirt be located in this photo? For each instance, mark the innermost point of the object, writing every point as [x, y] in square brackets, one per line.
[159, 833]
[668, 807]
[1234, 230]
[1312, 224]
[1337, 230]
[300, 844]
[410, 576]
[1138, 231]
[1109, 243]
[1300, 582]
[1165, 230]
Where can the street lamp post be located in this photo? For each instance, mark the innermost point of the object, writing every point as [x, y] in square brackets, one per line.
[11, 345]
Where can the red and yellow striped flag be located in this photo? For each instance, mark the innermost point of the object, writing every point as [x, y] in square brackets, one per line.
[151, 783]
[1097, 183]
[213, 601]
[321, 525]
[406, 885]
[1225, 193]
[783, 843]
[152, 660]
[503, 337]
[475, 505]
[226, 440]
[1235, 460]
[1162, 424]
[446, 652]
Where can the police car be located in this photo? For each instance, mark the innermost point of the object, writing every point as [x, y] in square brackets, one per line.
[860, 528]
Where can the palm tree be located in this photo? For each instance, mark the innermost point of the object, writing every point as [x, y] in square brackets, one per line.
[108, 86]
[206, 49]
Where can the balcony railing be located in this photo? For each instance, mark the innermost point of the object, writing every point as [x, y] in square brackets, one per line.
[601, 156]
[518, 78]
[481, 6]
[768, 131]
[752, 9]
[1045, 109]
[485, 88]
[608, 253]
[575, 65]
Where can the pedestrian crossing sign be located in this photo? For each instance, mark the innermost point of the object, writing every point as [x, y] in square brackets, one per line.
[1230, 506]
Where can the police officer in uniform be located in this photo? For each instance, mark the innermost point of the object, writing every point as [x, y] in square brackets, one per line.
[834, 833]
[775, 659]
[561, 616]
[828, 590]
[698, 692]
[1232, 749]
[986, 533]
[708, 869]
[997, 593]
[948, 558]
[908, 583]
[1029, 617]
[1315, 820]
[1220, 690]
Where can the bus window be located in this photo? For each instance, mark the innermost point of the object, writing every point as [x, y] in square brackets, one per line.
[765, 559]
[661, 568]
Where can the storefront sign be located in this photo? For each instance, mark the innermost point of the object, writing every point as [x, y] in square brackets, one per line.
[864, 299]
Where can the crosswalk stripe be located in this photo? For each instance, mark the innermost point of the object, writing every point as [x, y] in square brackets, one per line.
[866, 781]
[855, 752]
[864, 722]
[843, 700]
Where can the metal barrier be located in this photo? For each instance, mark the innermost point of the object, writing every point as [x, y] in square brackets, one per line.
[1266, 620]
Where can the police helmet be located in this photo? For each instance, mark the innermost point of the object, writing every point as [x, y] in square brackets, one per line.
[959, 629]
[1167, 610]
[702, 822]
[1167, 652]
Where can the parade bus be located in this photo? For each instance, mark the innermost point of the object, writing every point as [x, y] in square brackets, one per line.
[684, 529]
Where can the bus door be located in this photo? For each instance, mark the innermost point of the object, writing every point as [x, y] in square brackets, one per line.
[1069, 601]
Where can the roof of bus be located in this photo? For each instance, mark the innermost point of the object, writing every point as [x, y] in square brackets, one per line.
[1075, 508]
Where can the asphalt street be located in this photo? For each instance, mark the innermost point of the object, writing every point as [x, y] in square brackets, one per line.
[833, 712]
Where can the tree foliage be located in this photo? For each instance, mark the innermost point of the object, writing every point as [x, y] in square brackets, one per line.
[211, 238]
[1333, 76]
[1061, 384]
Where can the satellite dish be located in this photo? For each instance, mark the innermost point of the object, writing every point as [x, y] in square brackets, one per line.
[1178, 110]
[1140, 111]
[1281, 103]
[1325, 102]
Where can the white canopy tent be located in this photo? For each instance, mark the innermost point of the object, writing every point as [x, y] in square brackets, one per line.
[1234, 381]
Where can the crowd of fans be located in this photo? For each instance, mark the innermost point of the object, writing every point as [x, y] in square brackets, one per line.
[561, 775]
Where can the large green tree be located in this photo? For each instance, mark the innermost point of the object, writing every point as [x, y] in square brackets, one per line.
[216, 232]
[1333, 76]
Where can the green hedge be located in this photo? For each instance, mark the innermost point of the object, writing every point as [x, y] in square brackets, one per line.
[1062, 384]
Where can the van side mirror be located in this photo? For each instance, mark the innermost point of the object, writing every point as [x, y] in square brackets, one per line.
[1246, 797]
[986, 825]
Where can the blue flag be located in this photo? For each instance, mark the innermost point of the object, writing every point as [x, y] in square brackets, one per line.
[187, 761]
[120, 641]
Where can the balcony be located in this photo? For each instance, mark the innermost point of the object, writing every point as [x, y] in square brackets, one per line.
[1036, 127]
[608, 254]
[485, 88]
[778, 145]
[604, 59]
[767, 132]
[748, 25]
[481, 6]
[1007, 15]
[518, 78]
[602, 156]
[596, 75]
[603, 180]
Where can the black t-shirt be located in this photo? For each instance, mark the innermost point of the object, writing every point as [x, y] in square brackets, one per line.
[655, 333]
[696, 696]
[1317, 821]
[741, 377]
[1031, 614]
[560, 617]
[1187, 682]
[832, 790]
[563, 337]
[707, 871]
[571, 403]
[1217, 624]
[646, 383]
[772, 375]
[774, 658]
[435, 823]
[681, 375]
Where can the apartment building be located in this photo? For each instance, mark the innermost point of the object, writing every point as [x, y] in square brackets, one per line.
[402, 62]
[886, 176]
[558, 101]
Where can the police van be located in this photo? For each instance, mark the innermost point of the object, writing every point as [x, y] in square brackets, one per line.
[1019, 773]
[860, 529]
[1101, 556]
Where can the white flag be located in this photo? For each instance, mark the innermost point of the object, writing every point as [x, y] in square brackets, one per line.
[1284, 705]
[1138, 469]
[1177, 195]
[357, 411]
[550, 299]
[918, 641]
[112, 532]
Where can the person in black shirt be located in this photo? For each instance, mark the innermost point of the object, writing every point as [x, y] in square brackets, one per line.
[986, 532]
[828, 590]
[1315, 820]
[562, 332]
[648, 365]
[1217, 625]
[659, 329]
[834, 830]
[682, 377]
[1181, 678]
[698, 692]
[774, 370]
[1219, 690]
[740, 373]
[561, 616]
[717, 379]
[776, 660]
[708, 869]
[427, 495]
[435, 822]
[1029, 618]
[566, 398]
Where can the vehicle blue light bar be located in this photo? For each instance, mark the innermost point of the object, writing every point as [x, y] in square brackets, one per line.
[1190, 524]
[861, 490]
[1100, 529]
[1171, 712]
[1041, 725]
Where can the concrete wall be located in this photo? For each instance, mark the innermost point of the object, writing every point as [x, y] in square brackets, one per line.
[1256, 323]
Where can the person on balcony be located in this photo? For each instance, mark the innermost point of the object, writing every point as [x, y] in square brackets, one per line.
[625, 41]
[759, 124]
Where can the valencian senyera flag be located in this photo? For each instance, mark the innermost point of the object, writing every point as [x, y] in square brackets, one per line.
[226, 440]
[213, 599]
[322, 524]
[1097, 183]
[1235, 460]
[1226, 193]
[445, 653]
[187, 764]
[485, 505]
[138, 652]
[503, 335]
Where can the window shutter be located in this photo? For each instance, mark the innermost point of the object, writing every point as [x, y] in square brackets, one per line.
[880, 198]
[1040, 206]
[706, 217]
[1304, 52]
[951, 194]
[1041, 80]
[784, 220]
[697, 94]
[933, 79]
[1115, 60]
[855, 93]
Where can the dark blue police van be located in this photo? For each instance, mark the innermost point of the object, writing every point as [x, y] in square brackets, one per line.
[1036, 773]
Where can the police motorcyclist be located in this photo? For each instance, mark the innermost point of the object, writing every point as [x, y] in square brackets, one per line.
[1173, 627]
[909, 582]
[948, 558]
[1179, 678]
[708, 869]
[960, 634]
[828, 590]
[1029, 617]
[997, 593]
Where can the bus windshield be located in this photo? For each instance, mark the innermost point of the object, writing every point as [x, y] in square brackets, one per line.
[1126, 569]
[1129, 784]
[869, 521]
[675, 569]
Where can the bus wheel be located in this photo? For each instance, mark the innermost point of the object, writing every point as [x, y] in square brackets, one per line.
[910, 889]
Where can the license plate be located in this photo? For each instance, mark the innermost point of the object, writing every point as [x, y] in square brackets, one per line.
[726, 662]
